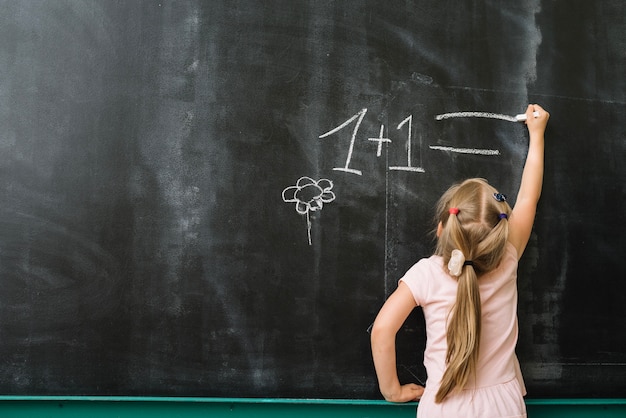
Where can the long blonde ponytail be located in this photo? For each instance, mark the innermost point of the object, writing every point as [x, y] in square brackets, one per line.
[464, 340]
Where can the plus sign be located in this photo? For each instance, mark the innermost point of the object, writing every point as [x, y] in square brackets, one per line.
[380, 140]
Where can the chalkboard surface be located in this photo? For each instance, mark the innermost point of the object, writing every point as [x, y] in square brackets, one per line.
[215, 198]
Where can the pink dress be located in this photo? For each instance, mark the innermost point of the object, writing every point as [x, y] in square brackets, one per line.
[497, 390]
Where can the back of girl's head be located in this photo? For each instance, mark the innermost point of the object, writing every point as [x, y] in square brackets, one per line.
[476, 229]
[473, 221]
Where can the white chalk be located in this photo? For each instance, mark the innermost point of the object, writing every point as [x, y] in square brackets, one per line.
[522, 116]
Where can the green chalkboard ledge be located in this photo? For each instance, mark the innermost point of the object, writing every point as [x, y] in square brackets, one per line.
[161, 407]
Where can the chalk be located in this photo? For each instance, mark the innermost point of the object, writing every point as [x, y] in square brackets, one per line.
[522, 116]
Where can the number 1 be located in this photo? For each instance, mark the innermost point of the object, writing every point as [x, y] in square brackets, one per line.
[360, 115]
[408, 167]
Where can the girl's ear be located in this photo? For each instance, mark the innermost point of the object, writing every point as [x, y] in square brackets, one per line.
[439, 229]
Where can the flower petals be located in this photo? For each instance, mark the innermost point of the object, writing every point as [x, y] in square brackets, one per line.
[302, 208]
[289, 194]
[309, 195]
[327, 197]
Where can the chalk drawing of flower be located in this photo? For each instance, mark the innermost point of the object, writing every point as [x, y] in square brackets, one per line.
[309, 196]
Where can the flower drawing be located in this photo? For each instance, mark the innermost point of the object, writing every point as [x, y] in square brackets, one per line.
[309, 196]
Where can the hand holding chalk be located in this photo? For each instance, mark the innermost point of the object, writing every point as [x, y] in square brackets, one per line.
[537, 126]
[522, 116]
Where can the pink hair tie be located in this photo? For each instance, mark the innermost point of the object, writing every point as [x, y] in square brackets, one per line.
[453, 211]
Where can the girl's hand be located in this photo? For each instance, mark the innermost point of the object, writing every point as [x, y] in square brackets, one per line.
[536, 124]
[409, 392]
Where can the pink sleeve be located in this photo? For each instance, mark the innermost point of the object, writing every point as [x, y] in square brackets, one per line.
[418, 282]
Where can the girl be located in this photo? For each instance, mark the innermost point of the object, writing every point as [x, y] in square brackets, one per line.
[468, 293]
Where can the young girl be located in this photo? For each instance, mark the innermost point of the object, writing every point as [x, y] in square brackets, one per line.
[468, 293]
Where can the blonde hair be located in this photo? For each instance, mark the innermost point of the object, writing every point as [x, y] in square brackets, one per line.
[480, 232]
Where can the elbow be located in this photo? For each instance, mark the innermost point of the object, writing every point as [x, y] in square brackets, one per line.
[381, 332]
[376, 331]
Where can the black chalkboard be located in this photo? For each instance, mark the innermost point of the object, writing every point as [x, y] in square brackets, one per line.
[156, 159]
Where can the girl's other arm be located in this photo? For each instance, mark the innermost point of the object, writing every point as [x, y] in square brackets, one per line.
[523, 215]
[389, 320]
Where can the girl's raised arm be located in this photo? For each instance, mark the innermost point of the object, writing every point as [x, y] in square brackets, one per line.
[523, 215]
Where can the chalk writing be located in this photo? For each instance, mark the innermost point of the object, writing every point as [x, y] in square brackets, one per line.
[360, 115]
[380, 139]
[466, 150]
[408, 122]
[309, 196]
[476, 115]
[408, 167]
[487, 115]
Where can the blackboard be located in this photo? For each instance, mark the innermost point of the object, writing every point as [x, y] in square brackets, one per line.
[157, 158]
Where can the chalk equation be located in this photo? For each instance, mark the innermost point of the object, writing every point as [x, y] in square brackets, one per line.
[381, 139]
[309, 196]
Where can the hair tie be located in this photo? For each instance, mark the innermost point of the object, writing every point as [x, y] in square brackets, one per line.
[500, 197]
[453, 211]
[503, 216]
[468, 263]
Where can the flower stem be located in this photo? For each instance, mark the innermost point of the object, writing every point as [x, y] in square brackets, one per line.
[308, 224]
